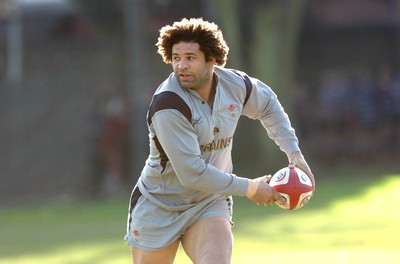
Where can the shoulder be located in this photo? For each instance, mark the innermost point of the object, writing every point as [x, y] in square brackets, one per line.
[234, 77]
[169, 96]
[237, 78]
[230, 75]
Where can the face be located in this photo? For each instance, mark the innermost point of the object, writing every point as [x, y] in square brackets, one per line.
[190, 66]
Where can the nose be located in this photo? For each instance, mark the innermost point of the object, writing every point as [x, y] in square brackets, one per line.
[182, 64]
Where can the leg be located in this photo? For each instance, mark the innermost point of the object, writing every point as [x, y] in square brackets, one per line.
[165, 255]
[209, 241]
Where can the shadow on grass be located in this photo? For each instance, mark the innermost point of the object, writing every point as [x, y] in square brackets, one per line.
[45, 229]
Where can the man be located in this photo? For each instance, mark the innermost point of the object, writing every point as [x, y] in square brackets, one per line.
[184, 192]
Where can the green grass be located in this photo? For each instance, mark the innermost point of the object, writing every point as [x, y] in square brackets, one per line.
[353, 218]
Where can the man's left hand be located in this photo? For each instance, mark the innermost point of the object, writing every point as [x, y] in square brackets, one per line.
[297, 159]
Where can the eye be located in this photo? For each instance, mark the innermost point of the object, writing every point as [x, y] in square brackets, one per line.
[176, 58]
[191, 58]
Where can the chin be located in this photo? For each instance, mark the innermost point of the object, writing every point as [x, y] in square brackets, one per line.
[186, 85]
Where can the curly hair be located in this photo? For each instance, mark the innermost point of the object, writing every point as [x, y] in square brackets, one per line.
[206, 34]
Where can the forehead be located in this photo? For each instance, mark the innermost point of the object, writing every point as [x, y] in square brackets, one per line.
[186, 48]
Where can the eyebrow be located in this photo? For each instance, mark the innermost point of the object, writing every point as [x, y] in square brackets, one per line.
[187, 53]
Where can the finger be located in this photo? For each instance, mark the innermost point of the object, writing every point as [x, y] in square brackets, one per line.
[281, 200]
[304, 167]
[307, 170]
[267, 178]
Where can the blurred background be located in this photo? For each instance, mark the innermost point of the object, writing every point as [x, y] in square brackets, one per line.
[76, 77]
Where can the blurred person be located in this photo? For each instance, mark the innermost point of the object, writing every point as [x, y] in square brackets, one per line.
[395, 116]
[383, 100]
[365, 139]
[384, 104]
[333, 100]
[304, 106]
[111, 159]
[366, 93]
[116, 138]
[184, 193]
[333, 114]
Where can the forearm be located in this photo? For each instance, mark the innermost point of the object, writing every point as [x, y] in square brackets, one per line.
[212, 180]
[280, 130]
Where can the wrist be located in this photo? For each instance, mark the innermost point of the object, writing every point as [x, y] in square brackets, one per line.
[297, 152]
[251, 188]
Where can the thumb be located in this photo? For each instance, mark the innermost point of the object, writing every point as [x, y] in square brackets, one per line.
[267, 178]
[279, 198]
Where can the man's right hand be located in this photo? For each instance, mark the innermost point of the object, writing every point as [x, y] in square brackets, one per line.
[260, 192]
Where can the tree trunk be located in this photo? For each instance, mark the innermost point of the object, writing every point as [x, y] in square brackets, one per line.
[230, 26]
[275, 58]
[271, 44]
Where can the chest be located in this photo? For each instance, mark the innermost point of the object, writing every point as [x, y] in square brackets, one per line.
[216, 125]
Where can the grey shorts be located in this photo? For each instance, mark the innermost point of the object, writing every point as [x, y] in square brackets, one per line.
[150, 227]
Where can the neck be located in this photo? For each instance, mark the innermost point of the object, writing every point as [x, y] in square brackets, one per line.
[208, 94]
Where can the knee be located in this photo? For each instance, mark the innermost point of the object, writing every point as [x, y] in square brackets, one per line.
[215, 255]
[214, 259]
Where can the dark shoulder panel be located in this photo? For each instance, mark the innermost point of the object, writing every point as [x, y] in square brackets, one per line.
[168, 100]
[248, 84]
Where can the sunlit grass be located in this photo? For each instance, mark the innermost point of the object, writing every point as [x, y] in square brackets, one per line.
[106, 252]
[351, 220]
[353, 229]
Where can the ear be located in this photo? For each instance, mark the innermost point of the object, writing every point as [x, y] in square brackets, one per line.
[212, 60]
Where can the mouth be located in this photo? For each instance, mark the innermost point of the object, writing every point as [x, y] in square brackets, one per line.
[184, 76]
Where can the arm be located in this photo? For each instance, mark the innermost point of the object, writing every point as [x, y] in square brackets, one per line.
[179, 141]
[264, 105]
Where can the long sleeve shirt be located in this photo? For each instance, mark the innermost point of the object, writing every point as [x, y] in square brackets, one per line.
[190, 142]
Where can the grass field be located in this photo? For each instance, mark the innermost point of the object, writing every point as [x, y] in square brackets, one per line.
[353, 218]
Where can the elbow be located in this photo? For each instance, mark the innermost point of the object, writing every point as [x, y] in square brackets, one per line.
[192, 178]
[189, 184]
[191, 181]
[191, 172]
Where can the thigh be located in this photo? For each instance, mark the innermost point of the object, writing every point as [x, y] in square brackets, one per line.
[165, 255]
[150, 227]
[209, 241]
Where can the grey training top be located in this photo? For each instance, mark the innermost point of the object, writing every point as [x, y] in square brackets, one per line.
[190, 142]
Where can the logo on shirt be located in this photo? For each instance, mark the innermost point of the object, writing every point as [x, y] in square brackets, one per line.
[216, 131]
[216, 144]
[232, 109]
[197, 120]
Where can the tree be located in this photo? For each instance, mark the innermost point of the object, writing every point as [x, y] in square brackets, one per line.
[265, 46]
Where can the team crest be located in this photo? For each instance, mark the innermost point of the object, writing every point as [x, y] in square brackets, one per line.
[136, 235]
[232, 109]
[216, 131]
